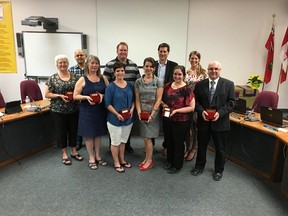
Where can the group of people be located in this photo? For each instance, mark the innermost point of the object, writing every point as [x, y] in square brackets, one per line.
[166, 95]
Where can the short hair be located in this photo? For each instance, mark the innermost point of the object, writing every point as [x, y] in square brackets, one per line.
[79, 50]
[118, 65]
[61, 57]
[215, 62]
[149, 59]
[122, 43]
[182, 68]
[195, 53]
[163, 45]
[89, 59]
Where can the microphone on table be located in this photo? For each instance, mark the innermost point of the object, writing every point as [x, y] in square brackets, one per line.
[34, 107]
[251, 118]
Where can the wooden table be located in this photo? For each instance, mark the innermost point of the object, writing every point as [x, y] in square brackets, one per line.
[25, 133]
[256, 148]
[284, 183]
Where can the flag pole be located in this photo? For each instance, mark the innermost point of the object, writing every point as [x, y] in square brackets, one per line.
[273, 26]
[278, 84]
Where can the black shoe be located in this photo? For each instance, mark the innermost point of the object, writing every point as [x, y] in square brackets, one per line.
[79, 146]
[168, 166]
[196, 171]
[217, 176]
[129, 149]
[173, 170]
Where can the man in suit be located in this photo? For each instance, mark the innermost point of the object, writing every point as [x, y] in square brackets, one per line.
[216, 94]
[164, 71]
[164, 67]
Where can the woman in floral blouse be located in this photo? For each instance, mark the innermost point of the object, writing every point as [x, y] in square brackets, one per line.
[194, 74]
[59, 88]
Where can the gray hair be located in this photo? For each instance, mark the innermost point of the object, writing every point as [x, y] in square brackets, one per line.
[60, 57]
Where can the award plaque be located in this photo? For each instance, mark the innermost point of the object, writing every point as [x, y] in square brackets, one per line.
[211, 113]
[166, 112]
[144, 115]
[69, 94]
[95, 97]
[125, 113]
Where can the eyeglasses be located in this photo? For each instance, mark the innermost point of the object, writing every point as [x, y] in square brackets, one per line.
[216, 69]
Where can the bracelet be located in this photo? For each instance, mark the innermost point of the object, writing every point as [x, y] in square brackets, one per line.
[155, 110]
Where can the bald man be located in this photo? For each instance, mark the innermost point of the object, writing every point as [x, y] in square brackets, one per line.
[215, 99]
[80, 57]
[78, 70]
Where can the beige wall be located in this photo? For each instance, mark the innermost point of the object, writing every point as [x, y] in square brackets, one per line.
[231, 31]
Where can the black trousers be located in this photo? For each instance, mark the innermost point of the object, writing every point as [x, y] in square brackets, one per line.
[175, 134]
[219, 139]
[66, 127]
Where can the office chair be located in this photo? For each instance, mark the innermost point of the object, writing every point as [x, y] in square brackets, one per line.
[2, 101]
[267, 99]
[31, 89]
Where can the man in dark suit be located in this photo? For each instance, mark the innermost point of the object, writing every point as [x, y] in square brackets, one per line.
[164, 71]
[215, 99]
[164, 67]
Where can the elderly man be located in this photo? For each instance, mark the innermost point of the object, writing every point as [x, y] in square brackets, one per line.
[215, 99]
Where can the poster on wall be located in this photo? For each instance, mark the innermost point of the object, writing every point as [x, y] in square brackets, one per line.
[7, 46]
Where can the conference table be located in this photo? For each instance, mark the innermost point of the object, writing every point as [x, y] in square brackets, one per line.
[284, 182]
[25, 133]
[260, 148]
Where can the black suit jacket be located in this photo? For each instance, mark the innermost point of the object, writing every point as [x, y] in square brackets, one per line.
[168, 72]
[224, 101]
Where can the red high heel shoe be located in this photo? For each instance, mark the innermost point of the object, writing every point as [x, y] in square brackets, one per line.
[141, 164]
[142, 168]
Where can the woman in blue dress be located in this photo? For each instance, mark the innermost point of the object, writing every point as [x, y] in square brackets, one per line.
[92, 111]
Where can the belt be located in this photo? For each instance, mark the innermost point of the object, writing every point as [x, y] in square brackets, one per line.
[147, 102]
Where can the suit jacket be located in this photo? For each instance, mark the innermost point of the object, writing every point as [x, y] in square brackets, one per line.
[168, 72]
[224, 101]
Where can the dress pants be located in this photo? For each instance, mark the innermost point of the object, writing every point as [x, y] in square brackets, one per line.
[66, 127]
[175, 134]
[219, 139]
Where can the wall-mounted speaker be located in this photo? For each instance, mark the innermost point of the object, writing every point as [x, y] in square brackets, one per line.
[84, 42]
[20, 48]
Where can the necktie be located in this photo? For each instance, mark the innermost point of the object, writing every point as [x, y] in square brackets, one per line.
[211, 91]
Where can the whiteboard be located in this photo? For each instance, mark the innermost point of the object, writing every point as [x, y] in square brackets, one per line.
[143, 25]
[40, 49]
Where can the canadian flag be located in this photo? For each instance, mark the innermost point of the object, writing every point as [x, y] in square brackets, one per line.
[284, 58]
